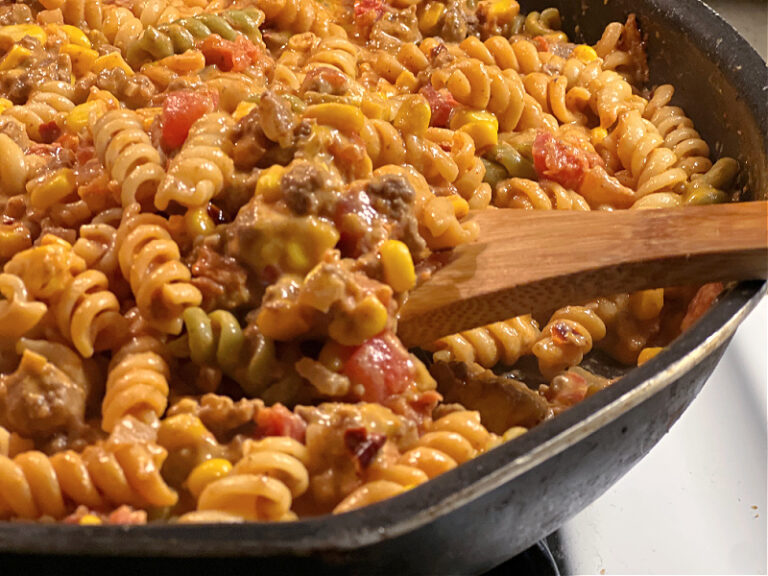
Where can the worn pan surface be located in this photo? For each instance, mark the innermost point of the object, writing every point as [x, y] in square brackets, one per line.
[491, 508]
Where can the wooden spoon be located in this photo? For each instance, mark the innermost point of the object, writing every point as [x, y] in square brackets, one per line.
[527, 262]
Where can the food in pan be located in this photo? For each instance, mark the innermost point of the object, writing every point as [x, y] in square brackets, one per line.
[213, 211]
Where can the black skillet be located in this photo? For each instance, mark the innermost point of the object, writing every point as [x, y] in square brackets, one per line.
[495, 506]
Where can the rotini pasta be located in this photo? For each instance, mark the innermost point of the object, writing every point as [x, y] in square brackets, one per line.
[213, 212]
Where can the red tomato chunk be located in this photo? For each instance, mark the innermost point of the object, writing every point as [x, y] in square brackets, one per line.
[561, 162]
[367, 12]
[441, 104]
[229, 56]
[381, 365]
[180, 110]
[277, 420]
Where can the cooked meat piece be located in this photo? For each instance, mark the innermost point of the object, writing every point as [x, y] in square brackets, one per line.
[502, 402]
[308, 189]
[277, 120]
[17, 84]
[392, 196]
[15, 130]
[220, 414]
[15, 14]
[38, 399]
[136, 91]
[458, 21]
[220, 279]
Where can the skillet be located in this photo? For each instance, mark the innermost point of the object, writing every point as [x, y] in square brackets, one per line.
[478, 515]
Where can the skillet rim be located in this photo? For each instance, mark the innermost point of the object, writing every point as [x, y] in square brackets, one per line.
[394, 517]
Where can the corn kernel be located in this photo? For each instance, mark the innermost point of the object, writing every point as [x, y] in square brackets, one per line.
[207, 472]
[268, 184]
[646, 354]
[14, 58]
[406, 81]
[183, 430]
[398, 265]
[333, 355]
[189, 62]
[647, 304]
[413, 116]
[460, 206]
[482, 127]
[198, 222]
[284, 324]
[10, 35]
[110, 61]
[89, 520]
[500, 8]
[374, 106]
[5, 104]
[367, 319]
[75, 35]
[344, 117]
[597, 135]
[53, 189]
[78, 118]
[82, 58]
[585, 53]
[297, 257]
[431, 16]
[243, 109]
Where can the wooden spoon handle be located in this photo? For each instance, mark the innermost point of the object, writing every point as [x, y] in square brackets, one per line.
[537, 261]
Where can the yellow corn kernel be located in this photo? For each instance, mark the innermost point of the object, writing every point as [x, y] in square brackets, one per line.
[460, 206]
[597, 135]
[79, 116]
[585, 53]
[14, 58]
[297, 257]
[268, 184]
[53, 189]
[406, 81]
[82, 58]
[198, 222]
[148, 115]
[431, 16]
[375, 106]
[75, 35]
[243, 109]
[344, 117]
[333, 355]
[183, 430]
[398, 265]
[5, 104]
[89, 520]
[282, 324]
[647, 304]
[10, 35]
[646, 354]
[189, 62]
[205, 473]
[483, 127]
[105, 96]
[501, 8]
[367, 319]
[110, 61]
[413, 116]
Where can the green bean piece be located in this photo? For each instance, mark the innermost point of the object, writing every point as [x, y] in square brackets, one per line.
[517, 25]
[202, 348]
[218, 25]
[230, 338]
[722, 174]
[516, 165]
[181, 37]
[550, 17]
[494, 172]
[242, 21]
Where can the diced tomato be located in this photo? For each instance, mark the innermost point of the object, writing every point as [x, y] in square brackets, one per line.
[363, 445]
[441, 103]
[381, 365]
[566, 390]
[277, 420]
[227, 55]
[126, 515]
[49, 131]
[541, 44]
[560, 161]
[180, 110]
[367, 12]
[701, 302]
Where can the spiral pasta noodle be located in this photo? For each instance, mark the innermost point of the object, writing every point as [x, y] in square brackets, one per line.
[213, 213]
